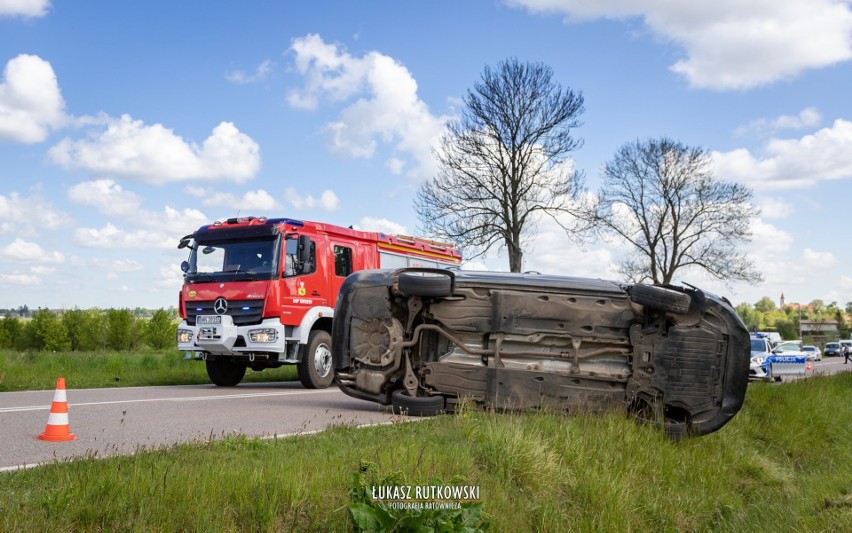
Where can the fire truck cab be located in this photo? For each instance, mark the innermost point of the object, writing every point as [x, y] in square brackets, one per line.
[260, 293]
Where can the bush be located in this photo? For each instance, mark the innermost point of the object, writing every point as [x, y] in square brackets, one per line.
[87, 330]
[160, 332]
[72, 320]
[10, 330]
[48, 333]
[120, 329]
[92, 331]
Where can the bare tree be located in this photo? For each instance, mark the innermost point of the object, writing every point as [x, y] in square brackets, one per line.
[504, 162]
[660, 196]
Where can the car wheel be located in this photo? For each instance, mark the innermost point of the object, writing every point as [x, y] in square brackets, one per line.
[660, 298]
[316, 368]
[405, 404]
[224, 372]
[424, 284]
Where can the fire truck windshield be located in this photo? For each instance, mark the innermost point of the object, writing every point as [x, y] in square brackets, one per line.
[233, 260]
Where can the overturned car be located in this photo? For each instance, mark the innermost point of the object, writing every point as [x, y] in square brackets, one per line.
[424, 340]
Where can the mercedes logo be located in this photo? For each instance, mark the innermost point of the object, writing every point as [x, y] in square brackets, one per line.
[220, 306]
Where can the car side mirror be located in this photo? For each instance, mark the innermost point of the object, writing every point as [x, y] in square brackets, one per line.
[305, 254]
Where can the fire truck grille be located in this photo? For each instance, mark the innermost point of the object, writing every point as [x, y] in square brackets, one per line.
[243, 312]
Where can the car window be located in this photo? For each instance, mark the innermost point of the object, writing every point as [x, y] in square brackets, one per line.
[758, 345]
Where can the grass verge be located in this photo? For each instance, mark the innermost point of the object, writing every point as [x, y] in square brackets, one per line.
[85, 370]
[783, 464]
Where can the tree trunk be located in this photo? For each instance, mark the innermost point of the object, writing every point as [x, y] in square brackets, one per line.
[516, 258]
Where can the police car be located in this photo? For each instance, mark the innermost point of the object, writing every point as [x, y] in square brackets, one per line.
[761, 349]
[787, 359]
[771, 363]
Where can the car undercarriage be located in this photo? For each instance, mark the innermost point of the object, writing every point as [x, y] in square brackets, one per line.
[424, 340]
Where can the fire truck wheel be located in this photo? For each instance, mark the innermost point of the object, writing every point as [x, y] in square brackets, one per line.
[316, 369]
[660, 298]
[224, 372]
[404, 404]
[424, 284]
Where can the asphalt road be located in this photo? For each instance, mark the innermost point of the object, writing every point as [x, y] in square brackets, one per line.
[124, 420]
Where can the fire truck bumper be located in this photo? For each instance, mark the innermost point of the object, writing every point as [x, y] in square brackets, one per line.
[217, 335]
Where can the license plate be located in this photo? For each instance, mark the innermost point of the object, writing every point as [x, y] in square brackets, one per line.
[208, 319]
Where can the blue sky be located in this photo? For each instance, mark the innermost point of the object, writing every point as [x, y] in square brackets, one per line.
[125, 125]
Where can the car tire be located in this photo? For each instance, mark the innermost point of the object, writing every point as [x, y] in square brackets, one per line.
[224, 372]
[425, 284]
[316, 367]
[660, 298]
[404, 404]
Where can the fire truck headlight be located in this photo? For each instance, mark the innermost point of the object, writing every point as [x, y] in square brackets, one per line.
[184, 336]
[263, 335]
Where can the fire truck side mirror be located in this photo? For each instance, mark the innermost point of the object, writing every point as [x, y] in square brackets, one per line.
[305, 254]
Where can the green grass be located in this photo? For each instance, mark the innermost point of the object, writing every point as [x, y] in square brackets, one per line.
[83, 370]
[783, 464]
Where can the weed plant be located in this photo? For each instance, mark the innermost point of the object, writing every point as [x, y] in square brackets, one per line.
[784, 463]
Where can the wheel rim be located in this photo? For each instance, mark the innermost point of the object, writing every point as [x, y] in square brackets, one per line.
[322, 360]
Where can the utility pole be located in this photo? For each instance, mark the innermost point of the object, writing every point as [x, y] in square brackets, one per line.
[800, 321]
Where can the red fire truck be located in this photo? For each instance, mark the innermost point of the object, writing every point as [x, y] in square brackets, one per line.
[260, 293]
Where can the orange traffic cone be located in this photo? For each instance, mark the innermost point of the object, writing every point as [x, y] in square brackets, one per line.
[57, 423]
[809, 367]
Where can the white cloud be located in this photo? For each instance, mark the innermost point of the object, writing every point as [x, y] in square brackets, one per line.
[381, 225]
[768, 240]
[128, 148]
[395, 165]
[24, 8]
[110, 236]
[328, 201]
[112, 200]
[387, 108]
[16, 280]
[29, 252]
[775, 208]
[792, 163]
[169, 277]
[807, 118]
[550, 250]
[780, 262]
[251, 201]
[31, 104]
[158, 230]
[118, 265]
[107, 196]
[179, 222]
[23, 214]
[731, 44]
[260, 74]
[816, 259]
[198, 192]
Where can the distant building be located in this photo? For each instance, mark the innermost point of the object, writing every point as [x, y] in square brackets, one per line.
[820, 327]
[820, 330]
